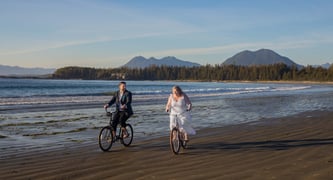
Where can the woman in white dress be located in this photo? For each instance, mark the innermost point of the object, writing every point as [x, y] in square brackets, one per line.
[179, 106]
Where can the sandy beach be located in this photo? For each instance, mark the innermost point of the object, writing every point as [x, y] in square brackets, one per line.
[295, 147]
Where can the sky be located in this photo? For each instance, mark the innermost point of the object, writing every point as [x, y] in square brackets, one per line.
[108, 33]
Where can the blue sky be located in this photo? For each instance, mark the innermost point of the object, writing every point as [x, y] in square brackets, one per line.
[108, 33]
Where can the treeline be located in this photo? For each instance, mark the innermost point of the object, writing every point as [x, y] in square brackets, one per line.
[274, 72]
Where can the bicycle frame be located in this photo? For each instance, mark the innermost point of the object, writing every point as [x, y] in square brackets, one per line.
[177, 137]
[106, 137]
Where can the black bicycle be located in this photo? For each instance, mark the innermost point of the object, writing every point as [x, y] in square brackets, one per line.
[106, 138]
[177, 138]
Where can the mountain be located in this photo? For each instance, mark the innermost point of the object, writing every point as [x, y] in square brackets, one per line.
[21, 71]
[326, 65]
[142, 62]
[259, 57]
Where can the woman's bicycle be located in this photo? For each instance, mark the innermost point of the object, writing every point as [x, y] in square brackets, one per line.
[106, 138]
[177, 138]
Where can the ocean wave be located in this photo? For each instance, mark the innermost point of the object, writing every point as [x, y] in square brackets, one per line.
[53, 92]
[52, 100]
[142, 95]
[292, 88]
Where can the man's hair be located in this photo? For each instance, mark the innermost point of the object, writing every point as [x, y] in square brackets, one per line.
[122, 82]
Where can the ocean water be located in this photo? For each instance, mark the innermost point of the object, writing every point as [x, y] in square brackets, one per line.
[50, 113]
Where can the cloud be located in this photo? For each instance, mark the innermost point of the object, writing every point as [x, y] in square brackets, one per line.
[48, 47]
[65, 44]
[236, 47]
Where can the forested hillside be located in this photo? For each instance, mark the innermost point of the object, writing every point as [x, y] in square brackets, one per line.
[274, 72]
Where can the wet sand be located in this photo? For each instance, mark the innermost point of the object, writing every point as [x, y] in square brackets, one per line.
[295, 147]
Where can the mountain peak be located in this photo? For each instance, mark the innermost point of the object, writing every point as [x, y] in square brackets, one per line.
[259, 57]
[141, 62]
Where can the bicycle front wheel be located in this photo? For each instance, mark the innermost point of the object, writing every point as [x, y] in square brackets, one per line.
[175, 141]
[126, 141]
[105, 138]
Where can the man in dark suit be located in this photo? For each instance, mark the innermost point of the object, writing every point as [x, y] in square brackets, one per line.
[123, 99]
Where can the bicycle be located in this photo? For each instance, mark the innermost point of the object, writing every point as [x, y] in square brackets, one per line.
[106, 138]
[177, 138]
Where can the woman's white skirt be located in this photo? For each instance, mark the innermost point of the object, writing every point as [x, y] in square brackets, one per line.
[184, 122]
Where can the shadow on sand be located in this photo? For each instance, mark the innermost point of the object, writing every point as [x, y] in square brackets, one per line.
[263, 145]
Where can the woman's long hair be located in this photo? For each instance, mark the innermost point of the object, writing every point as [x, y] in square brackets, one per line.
[178, 89]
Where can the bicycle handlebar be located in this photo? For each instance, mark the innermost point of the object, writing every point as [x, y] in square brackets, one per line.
[108, 113]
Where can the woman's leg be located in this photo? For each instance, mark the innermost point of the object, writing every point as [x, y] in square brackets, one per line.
[172, 121]
[172, 125]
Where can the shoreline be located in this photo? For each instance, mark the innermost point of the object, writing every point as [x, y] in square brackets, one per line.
[235, 81]
[285, 82]
[257, 81]
[293, 147]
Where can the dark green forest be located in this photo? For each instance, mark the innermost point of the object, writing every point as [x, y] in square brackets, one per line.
[274, 72]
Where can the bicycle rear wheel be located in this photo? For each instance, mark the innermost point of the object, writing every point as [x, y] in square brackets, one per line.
[128, 140]
[175, 141]
[105, 138]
